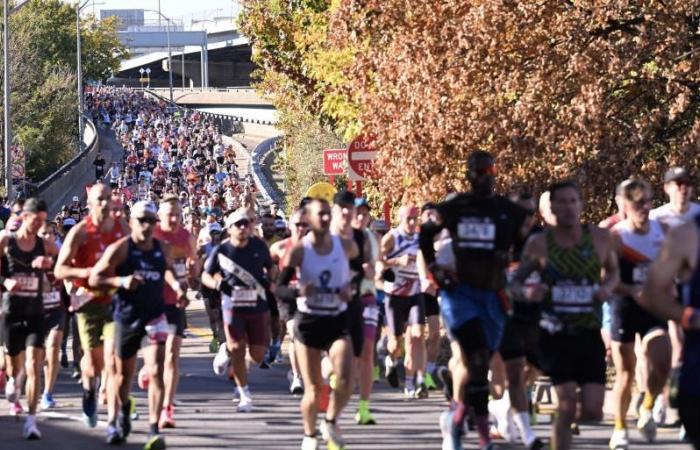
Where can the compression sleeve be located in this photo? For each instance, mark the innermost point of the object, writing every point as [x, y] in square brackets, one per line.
[282, 290]
[426, 240]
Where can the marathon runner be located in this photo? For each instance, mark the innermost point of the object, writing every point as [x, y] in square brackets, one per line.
[404, 307]
[678, 259]
[639, 241]
[483, 227]
[84, 245]
[579, 269]
[321, 262]
[28, 257]
[138, 266]
[185, 264]
[241, 269]
[278, 252]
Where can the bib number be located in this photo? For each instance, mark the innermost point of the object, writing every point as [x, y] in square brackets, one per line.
[476, 233]
[572, 295]
[51, 299]
[180, 269]
[241, 297]
[157, 330]
[326, 300]
[27, 283]
[639, 274]
[371, 315]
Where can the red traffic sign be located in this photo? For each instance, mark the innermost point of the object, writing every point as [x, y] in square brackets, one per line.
[334, 161]
[361, 156]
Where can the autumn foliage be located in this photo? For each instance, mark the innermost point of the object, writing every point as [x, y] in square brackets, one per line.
[594, 90]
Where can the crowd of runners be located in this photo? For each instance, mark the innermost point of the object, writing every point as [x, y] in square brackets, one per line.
[517, 289]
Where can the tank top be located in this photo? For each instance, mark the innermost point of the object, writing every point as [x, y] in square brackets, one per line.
[573, 276]
[90, 251]
[690, 371]
[180, 250]
[328, 274]
[140, 306]
[637, 251]
[406, 282]
[27, 300]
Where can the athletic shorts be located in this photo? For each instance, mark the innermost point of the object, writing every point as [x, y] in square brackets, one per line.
[404, 311]
[690, 417]
[578, 358]
[251, 327]
[465, 308]
[54, 319]
[320, 332]
[607, 316]
[129, 338]
[177, 320]
[432, 307]
[22, 332]
[95, 325]
[629, 319]
[521, 339]
[286, 309]
[363, 316]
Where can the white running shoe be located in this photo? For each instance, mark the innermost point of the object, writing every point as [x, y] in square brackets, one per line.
[619, 440]
[10, 391]
[221, 360]
[331, 434]
[646, 425]
[659, 411]
[297, 387]
[245, 405]
[30, 431]
[309, 443]
[410, 394]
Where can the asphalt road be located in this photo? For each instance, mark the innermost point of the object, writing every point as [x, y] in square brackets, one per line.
[207, 419]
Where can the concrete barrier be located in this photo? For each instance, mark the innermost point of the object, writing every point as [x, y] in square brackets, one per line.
[257, 156]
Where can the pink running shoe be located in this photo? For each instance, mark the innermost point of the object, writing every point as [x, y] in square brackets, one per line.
[16, 408]
[167, 419]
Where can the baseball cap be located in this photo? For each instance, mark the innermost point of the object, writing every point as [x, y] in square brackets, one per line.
[76, 199]
[361, 201]
[214, 228]
[143, 209]
[280, 224]
[69, 222]
[236, 216]
[344, 198]
[676, 174]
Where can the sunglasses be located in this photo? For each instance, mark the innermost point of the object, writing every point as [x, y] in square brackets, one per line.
[301, 224]
[242, 223]
[148, 220]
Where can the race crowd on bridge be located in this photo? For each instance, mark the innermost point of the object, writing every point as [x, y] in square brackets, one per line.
[517, 291]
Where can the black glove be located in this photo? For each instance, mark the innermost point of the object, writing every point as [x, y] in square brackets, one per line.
[225, 288]
[389, 275]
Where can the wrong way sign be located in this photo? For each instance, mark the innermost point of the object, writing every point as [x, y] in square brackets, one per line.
[334, 161]
[361, 156]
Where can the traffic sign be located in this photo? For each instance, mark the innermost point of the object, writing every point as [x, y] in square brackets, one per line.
[361, 156]
[334, 161]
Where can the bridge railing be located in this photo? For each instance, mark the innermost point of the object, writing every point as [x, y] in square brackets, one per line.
[257, 157]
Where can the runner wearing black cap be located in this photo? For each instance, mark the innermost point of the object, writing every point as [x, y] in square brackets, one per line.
[483, 227]
[678, 185]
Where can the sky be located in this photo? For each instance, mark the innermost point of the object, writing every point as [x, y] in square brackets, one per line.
[170, 8]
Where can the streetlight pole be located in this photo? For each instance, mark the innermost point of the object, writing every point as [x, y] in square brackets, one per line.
[7, 113]
[81, 105]
[170, 60]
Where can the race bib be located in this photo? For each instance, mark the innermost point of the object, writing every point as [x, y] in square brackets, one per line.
[180, 269]
[572, 295]
[473, 230]
[244, 297]
[51, 299]
[27, 283]
[157, 330]
[325, 300]
[371, 315]
[639, 274]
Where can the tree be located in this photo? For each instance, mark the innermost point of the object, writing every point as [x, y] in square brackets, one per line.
[595, 90]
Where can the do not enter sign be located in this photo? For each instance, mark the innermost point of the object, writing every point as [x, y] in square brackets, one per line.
[361, 156]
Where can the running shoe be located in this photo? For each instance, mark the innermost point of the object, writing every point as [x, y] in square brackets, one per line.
[125, 417]
[646, 425]
[76, 373]
[619, 440]
[445, 377]
[659, 411]
[537, 444]
[245, 405]
[167, 419]
[30, 431]
[16, 408]
[364, 417]
[451, 434]
[391, 372]
[430, 382]
[47, 401]
[10, 391]
[331, 434]
[297, 387]
[309, 443]
[221, 360]
[90, 410]
[155, 442]
[421, 391]
[114, 437]
[409, 393]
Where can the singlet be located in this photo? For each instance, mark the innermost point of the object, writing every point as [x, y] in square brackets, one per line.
[180, 250]
[27, 301]
[690, 371]
[328, 274]
[573, 276]
[637, 252]
[139, 306]
[90, 251]
[482, 229]
[406, 282]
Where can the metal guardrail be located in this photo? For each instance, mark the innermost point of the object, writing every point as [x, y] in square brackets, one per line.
[67, 167]
[257, 156]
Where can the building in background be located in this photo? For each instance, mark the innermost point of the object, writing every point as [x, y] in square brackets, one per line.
[127, 17]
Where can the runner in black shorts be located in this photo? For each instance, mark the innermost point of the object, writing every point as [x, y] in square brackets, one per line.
[142, 265]
[22, 303]
[321, 263]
